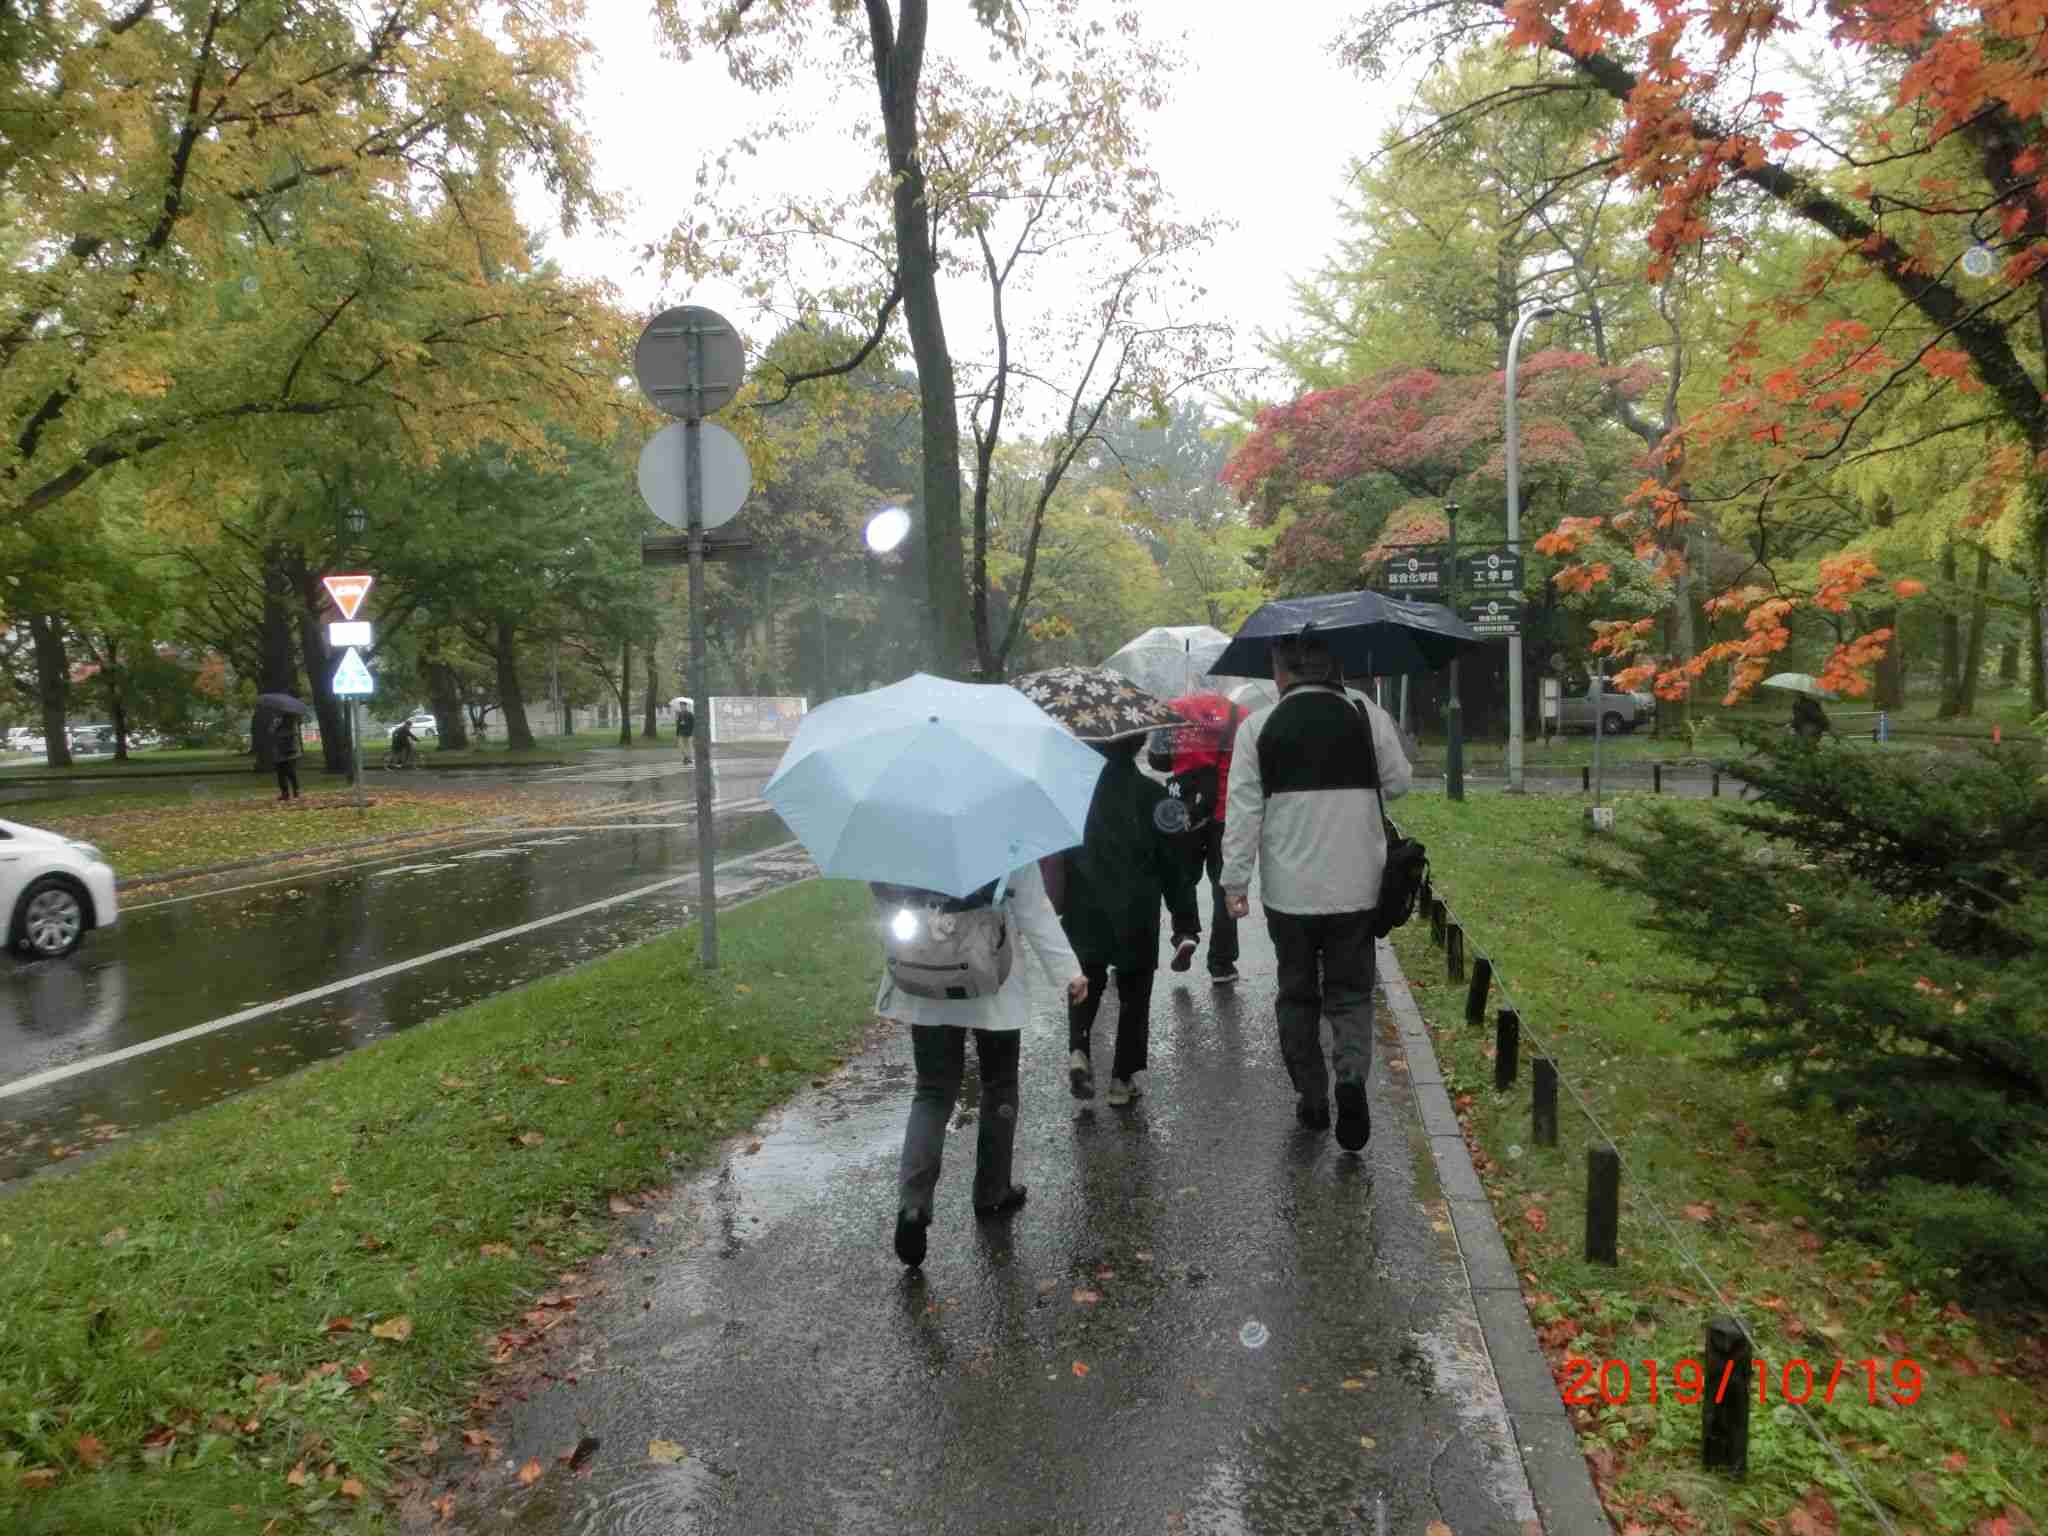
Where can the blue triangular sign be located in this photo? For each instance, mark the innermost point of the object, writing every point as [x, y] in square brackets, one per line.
[352, 678]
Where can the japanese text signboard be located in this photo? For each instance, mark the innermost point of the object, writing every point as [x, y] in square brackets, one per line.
[1497, 618]
[1488, 571]
[1416, 575]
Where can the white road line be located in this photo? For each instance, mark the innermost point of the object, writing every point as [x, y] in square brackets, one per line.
[179, 1037]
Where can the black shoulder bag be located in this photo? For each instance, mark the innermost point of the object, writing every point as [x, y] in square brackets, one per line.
[1407, 863]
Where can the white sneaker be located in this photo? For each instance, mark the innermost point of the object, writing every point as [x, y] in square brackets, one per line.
[1121, 1091]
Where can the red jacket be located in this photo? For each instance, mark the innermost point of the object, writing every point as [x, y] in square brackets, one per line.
[1207, 739]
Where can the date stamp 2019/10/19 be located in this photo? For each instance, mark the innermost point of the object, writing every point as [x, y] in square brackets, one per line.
[1587, 1382]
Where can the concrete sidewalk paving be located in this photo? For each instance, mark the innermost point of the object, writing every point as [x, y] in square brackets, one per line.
[1206, 1319]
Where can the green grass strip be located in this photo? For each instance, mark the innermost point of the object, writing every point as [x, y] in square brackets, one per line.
[1762, 1192]
[168, 1353]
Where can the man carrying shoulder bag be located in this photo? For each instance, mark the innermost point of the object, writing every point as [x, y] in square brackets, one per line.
[1308, 786]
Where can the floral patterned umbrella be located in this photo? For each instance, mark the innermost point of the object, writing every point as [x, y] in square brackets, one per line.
[1095, 704]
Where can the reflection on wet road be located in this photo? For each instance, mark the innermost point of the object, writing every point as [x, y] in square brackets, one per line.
[257, 951]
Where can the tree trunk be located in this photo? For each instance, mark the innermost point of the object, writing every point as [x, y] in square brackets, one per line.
[336, 719]
[2038, 683]
[278, 674]
[117, 711]
[626, 692]
[1973, 648]
[518, 734]
[650, 729]
[898, 52]
[1951, 640]
[53, 686]
[2009, 661]
[1891, 666]
[451, 721]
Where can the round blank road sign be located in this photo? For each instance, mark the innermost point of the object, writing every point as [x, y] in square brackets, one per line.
[661, 360]
[728, 477]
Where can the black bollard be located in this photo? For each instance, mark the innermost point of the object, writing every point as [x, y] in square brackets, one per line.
[1438, 914]
[1586, 779]
[1724, 1399]
[1428, 895]
[1656, 778]
[1717, 783]
[1454, 952]
[1507, 1047]
[1603, 1205]
[1475, 999]
[1543, 1111]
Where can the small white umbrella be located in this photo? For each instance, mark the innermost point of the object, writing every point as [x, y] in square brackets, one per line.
[1170, 659]
[1799, 682]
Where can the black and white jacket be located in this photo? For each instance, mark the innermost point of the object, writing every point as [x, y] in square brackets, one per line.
[1302, 805]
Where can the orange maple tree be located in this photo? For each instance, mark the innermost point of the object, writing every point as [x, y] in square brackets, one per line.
[1937, 192]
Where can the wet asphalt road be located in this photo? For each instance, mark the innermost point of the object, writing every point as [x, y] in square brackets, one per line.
[1283, 1341]
[175, 965]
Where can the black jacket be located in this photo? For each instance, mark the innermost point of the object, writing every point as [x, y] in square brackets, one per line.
[1123, 869]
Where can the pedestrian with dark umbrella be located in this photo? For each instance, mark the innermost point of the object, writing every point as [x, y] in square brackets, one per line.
[1306, 787]
[284, 752]
[1129, 861]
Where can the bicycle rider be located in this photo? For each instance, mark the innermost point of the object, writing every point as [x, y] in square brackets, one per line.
[402, 751]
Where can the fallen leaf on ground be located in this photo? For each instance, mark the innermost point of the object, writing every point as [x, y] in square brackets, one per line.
[397, 1329]
[444, 1507]
[115, 1238]
[531, 1472]
[296, 1478]
[89, 1451]
[1083, 1297]
[621, 1206]
[1437, 1528]
[531, 1138]
[352, 1488]
[39, 1477]
[1368, 1442]
[667, 1452]
[1701, 1212]
[341, 1325]
[1537, 1220]
[1353, 1384]
[1080, 1369]
[496, 1250]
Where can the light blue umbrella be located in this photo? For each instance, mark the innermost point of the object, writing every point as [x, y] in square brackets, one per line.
[933, 783]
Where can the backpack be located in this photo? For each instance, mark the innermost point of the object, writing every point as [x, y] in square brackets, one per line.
[940, 947]
[1407, 863]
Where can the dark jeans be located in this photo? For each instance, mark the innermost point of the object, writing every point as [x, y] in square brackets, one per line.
[287, 778]
[941, 1057]
[1208, 858]
[1133, 1016]
[1326, 966]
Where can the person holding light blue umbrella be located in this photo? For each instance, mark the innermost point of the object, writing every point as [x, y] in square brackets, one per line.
[944, 796]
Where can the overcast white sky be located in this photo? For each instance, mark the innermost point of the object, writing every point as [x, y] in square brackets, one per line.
[1260, 128]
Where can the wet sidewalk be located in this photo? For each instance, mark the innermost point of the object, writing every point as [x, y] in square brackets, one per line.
[1204, 1320]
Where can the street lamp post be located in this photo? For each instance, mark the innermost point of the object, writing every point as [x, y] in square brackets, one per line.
[1514, 477]
[1454, 711]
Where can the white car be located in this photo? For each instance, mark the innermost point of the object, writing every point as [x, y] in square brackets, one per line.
[424, 724]
[54, 891]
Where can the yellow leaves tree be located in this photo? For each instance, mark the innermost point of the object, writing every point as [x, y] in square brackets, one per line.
[236, 213]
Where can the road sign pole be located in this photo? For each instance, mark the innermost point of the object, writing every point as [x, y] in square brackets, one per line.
[355, 748]
[693, 501]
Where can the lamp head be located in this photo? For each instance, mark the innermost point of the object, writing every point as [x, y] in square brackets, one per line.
[887, 528]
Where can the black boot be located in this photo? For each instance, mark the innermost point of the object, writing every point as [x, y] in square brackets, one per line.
[910, 1236]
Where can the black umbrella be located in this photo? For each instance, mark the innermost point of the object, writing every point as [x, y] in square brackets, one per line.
[1370, 635]
[284, 703]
